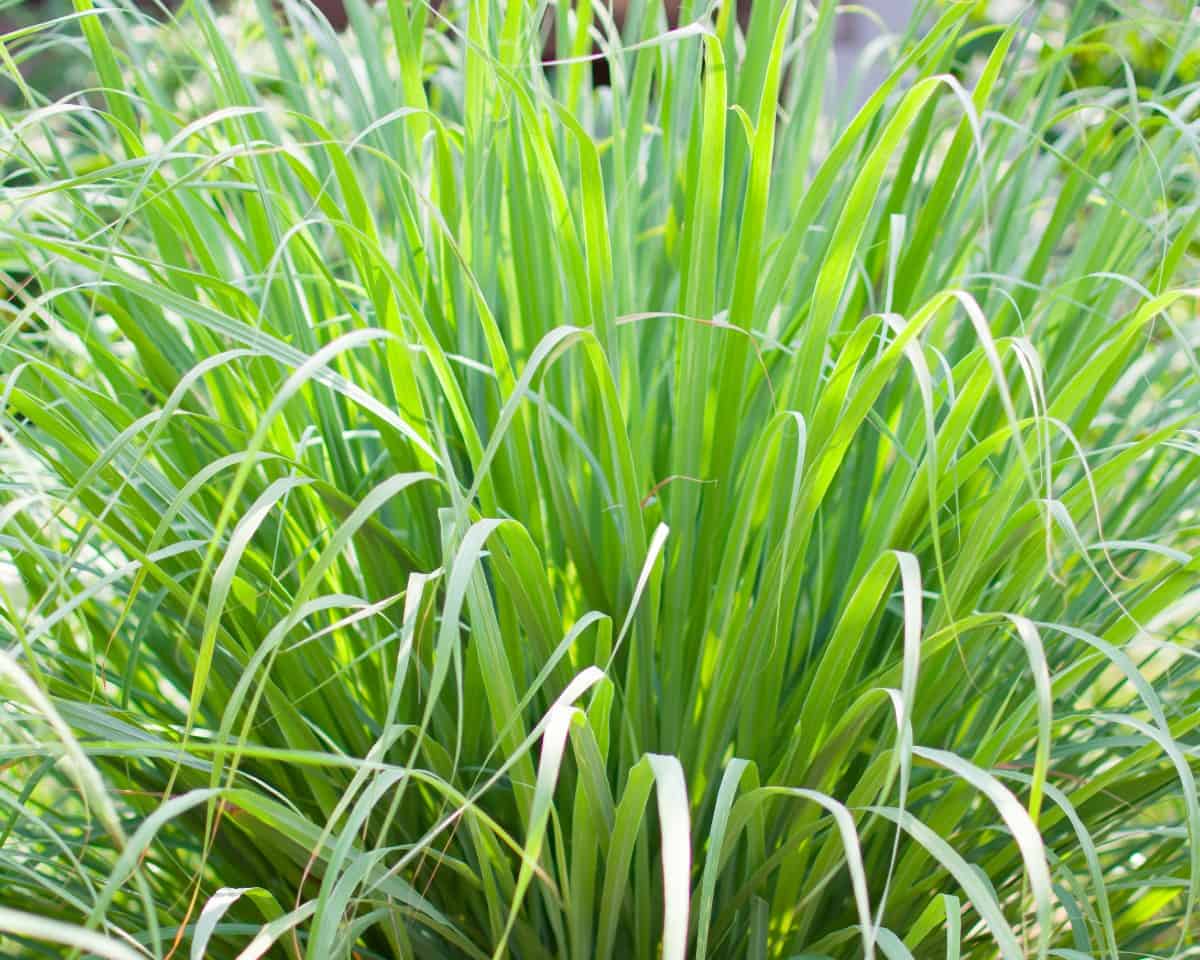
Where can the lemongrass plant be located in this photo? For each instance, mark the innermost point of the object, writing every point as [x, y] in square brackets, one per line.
[453, 509]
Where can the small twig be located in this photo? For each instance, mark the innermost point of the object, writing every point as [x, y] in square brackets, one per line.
[664, 481]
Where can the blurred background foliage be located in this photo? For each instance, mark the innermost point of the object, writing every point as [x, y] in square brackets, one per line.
[1132, 42]
[1129, 41]
[51, 58]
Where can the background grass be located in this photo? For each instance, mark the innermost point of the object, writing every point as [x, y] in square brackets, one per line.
[415, 460]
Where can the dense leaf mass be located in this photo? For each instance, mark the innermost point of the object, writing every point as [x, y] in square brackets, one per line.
[451, 508]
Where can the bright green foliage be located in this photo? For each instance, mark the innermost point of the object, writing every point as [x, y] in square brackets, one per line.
[452, 510]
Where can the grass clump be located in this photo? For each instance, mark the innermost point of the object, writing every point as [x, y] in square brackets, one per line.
[452, 510]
